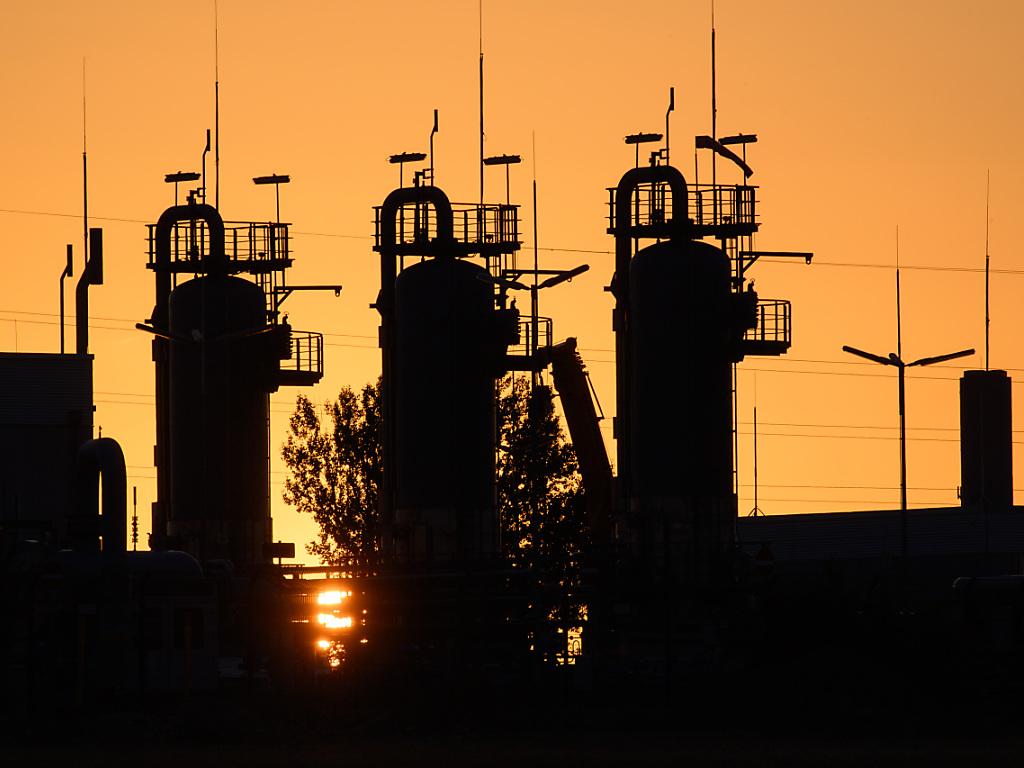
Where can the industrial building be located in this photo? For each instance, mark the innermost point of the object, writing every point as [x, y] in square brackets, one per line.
[671, 566]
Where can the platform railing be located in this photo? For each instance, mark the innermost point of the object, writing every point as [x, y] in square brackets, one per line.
[545, 334]
[473, 225]
[307, 353]
[244, 241]
[708, 205]
[774, 322]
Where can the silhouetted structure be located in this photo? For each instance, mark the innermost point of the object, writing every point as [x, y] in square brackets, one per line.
[986, 441]
[443, 340]
[683, 317]
[46, 413]
[221, 347]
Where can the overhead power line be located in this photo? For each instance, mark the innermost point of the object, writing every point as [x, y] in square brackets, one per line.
[553, 249]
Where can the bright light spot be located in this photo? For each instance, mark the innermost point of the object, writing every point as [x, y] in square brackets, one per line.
[323, 645]
[335, 662]
[333, 597]
[364, 641]
[334, 622]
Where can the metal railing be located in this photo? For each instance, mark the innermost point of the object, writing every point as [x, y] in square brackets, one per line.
[774, 322]
[708, 205]
[717, 205]
[261, 250]
[260, 245]
[307, 353]
[475, 226]
[545, 334]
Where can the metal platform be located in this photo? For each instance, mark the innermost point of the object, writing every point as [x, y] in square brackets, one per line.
[774, 330]
[485, 230]
[712, 210]
[261, 250]
[305, 366]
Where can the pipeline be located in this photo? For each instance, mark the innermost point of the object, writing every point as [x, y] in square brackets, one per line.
[91, 275]
[160, 319]
[623, 231]
[96, 458]
[385, 304]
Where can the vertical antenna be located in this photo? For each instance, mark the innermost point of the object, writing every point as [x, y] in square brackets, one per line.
[534, 330]
[216, 107]
[899, 326]
[756, 510]
[987, 189]
[481, 21]
[714, 103]
[714, 117]
[85, 177]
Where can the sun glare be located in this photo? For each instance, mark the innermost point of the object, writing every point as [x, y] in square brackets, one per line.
[332, 597]
[331, 621]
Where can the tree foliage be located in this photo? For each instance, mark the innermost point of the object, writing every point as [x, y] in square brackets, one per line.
[335, 474]
[540, 497]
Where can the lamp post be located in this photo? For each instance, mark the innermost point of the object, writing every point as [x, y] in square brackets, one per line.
[642, 138]
[401, 159]
[895, 360]
[277, 180]
[505, 160]
[179, 176]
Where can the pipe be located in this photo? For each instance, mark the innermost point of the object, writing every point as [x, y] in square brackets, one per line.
[623, 230]
[160, 319]
[69, 271]
[162, 237]
[385, 304]
[91, 275]
[405, 195]
[96, 458]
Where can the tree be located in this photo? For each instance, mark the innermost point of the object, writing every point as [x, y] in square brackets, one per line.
[540, 499]
[335, 475]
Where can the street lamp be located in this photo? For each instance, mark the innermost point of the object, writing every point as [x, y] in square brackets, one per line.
[642, 138]
[505, 160]
[406, 157]
[895, 360]
[277, 180]
[179, 176]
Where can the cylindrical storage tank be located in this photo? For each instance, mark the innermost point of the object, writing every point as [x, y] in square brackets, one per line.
[683, 340]
[219, 441]
[986, 440]
[446, 357]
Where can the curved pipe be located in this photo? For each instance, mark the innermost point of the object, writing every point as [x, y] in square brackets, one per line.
[627, 187]
[162, 252]
[404, 196]
[385, 304]
[103, 456]
[191, 212]
[162, 266]
[624, 193]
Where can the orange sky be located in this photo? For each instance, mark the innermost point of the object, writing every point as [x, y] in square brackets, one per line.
[869, 116]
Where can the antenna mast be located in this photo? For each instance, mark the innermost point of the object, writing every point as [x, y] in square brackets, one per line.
[714, 113]
[987, 189]
[534, 321]
[216, 107]
[85, 177]
[899, 327]
[481, 21]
